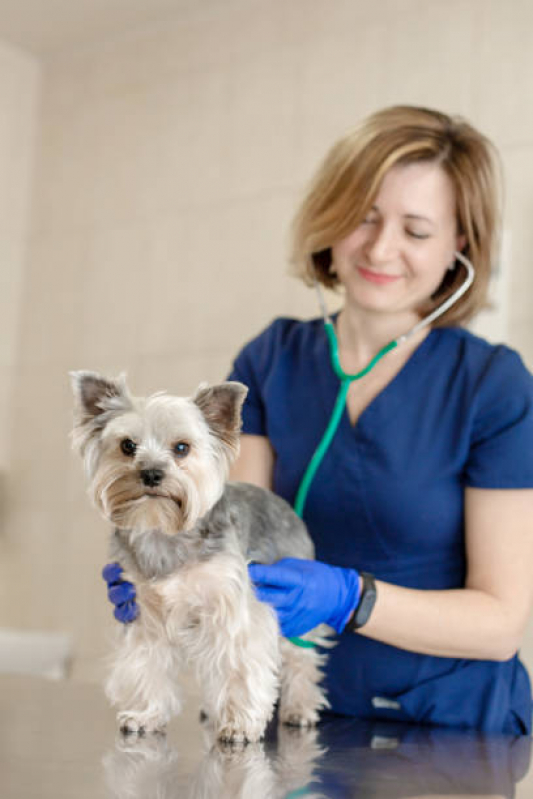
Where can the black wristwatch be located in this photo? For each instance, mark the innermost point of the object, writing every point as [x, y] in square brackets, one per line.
[366, 603]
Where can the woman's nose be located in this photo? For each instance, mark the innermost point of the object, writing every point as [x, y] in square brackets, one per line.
[382, 244]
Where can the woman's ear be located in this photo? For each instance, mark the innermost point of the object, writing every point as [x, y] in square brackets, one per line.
[461, 242]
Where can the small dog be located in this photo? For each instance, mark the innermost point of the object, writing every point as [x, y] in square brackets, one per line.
[157, 469]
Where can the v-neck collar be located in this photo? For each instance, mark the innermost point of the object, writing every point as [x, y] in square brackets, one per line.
[383, 405]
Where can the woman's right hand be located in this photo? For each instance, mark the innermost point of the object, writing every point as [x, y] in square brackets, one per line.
[121, 593]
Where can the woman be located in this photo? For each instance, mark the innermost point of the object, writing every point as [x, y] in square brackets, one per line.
[427, 484]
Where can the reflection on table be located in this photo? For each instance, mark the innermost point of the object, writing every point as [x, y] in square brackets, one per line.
[59, 740]
[341, 758]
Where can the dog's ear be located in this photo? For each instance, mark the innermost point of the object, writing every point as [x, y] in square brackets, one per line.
[221, 406]
[96, 395]
[96, 400]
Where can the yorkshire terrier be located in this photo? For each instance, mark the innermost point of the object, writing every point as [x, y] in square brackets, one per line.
[158, 470]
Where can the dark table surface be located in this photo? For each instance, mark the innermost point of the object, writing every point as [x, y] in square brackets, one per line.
[60, 740]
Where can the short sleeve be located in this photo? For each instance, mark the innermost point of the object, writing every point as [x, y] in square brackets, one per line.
[251, 367]
[253, 412]
[501, 448]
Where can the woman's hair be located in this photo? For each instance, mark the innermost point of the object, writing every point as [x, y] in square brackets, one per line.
[347, 182]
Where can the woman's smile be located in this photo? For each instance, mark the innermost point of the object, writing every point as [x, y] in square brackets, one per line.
[380, 278]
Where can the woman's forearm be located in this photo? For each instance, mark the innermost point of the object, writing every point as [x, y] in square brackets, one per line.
[459, 623]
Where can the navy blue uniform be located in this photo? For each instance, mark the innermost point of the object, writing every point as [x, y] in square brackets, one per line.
[388, 498]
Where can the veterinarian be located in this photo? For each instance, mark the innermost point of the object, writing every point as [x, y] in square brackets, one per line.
[419, 498]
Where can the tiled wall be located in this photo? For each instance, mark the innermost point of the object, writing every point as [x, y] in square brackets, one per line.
[169, 164]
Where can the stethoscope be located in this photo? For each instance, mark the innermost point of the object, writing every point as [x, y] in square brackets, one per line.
[347, 379]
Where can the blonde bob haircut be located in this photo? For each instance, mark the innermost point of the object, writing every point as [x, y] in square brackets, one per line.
[347, 182]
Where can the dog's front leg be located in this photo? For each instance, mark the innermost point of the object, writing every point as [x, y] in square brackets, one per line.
[142, 682]
[233, 642]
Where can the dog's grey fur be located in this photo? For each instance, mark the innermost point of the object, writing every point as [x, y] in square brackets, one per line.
[262, 525]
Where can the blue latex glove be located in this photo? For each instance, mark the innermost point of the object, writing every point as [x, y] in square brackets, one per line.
[306, 593]
[121, 593]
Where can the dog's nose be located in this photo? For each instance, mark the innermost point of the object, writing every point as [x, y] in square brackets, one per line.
[152, 477]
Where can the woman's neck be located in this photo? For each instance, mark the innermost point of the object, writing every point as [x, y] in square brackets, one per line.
[362, 335]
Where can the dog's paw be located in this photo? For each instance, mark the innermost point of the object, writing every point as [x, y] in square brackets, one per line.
[234, 735]
[231, 735]
[298, 718]
[135, 725]
[131, 726]
[228, 748]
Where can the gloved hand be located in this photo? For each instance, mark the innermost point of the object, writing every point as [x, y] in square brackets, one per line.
[306, 593]
[121, 593]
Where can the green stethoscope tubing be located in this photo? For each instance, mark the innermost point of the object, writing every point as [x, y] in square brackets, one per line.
[338, 409]
[347, 379]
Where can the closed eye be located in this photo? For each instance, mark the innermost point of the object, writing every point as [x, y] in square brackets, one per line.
[417, 235]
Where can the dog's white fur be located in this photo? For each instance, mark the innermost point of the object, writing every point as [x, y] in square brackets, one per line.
[197, 602]
[207, 615]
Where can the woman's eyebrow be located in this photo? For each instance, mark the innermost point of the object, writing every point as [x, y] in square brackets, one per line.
[408, 216]
[419, 216]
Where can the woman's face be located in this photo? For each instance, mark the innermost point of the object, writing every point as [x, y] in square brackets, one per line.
[397, 257]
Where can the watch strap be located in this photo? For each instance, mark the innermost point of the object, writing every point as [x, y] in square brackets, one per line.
[366, 603]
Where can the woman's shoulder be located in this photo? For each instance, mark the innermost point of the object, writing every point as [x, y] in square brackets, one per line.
[469, 342]
[275, 349]
[486, 375]
[285, 333]
[491, 392]
[477, 354]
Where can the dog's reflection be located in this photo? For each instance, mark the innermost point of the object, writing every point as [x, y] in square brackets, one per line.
[149, 767]
[144, 766]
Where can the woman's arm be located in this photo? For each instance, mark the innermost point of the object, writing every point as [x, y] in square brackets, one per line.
[255, 463]
[486, 619]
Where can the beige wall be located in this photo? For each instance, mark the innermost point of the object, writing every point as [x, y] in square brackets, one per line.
[19, 108]
[169, 163]
[19, 94]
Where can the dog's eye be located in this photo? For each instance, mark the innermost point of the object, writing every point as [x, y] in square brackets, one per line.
[181, 449]
[128, 447]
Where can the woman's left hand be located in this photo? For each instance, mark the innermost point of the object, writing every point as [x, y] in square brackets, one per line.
[306, 593]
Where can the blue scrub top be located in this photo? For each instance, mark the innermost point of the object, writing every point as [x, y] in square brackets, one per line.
[388, 498]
